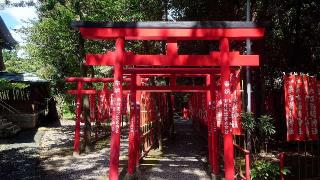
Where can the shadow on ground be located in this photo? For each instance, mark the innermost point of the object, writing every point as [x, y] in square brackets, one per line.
[183, 157]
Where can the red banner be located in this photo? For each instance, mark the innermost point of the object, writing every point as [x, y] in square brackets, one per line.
[218, 103]
[318, 104]
[290, 106]
[301, 109]
[313, 108]
[301, 101]
[236, 104]
[101, 102]
[306, 115]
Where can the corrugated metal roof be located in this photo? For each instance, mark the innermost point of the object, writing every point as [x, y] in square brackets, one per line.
[21, 77]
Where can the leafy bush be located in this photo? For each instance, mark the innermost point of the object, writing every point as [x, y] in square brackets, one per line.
[4, 85]
[260, 129]
[263, 169]
[248, 122]
[265, 126]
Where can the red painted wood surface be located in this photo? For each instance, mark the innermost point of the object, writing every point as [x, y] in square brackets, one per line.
[109, 59]
[116, 113]
[209, 118]
[281, 157]
[89, 79]
[180, 88]
[133, 146]
[76, 146]
[226, 119]
[173, 34]
[138, 112]
[214, 129]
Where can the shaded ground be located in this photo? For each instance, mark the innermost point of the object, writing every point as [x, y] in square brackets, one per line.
[46, 153]
[20, 156]
[182, 158]
[57, 161]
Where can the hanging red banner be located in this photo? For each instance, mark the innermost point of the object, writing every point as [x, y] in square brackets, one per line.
[306, 118]
[313, 108]
[301, 108]
[226, 124]
[101, 109]
[290, 106]
[124, 104]
[236, 104]
[218, 103]
[112, 100]
[318, 104]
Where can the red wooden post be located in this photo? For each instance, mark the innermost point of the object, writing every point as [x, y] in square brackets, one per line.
[226, 129]
[138, 137]
[214, 132]
[209, 119]
[116, 113]
[76, 149]
[281, 157]
[133, 128]
[247, 158]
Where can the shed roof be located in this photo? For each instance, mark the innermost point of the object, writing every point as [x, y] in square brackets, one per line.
[21, 77]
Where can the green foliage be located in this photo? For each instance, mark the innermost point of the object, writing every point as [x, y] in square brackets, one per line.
[4, 85]
[54, 51]
[263, 169]
[260, 129]
[248, 121]
[15, 63]
[265, 126]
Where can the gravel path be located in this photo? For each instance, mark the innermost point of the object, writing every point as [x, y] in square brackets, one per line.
[57, 161]
[46, 153]
[19, 156]
[182, 158]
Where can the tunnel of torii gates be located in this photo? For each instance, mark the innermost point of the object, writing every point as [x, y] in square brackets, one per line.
[131, 67]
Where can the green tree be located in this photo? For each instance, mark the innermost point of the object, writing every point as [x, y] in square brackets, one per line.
[55, 51]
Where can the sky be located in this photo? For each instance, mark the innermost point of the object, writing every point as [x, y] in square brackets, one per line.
[16, 17]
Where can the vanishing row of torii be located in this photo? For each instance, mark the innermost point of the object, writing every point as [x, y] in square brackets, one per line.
[170, 65]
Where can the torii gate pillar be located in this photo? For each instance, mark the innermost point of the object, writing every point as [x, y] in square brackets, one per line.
[133, 128]
[226, 119]
[117, 109]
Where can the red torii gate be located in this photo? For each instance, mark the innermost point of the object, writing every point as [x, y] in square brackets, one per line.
[171, 32]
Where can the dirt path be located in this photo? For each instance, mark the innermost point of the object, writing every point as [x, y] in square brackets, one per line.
[46, 153]
[19, 157]
[183, 158]
[57, 161]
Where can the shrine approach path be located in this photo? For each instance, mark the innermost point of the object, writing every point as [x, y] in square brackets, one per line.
[183, 157]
